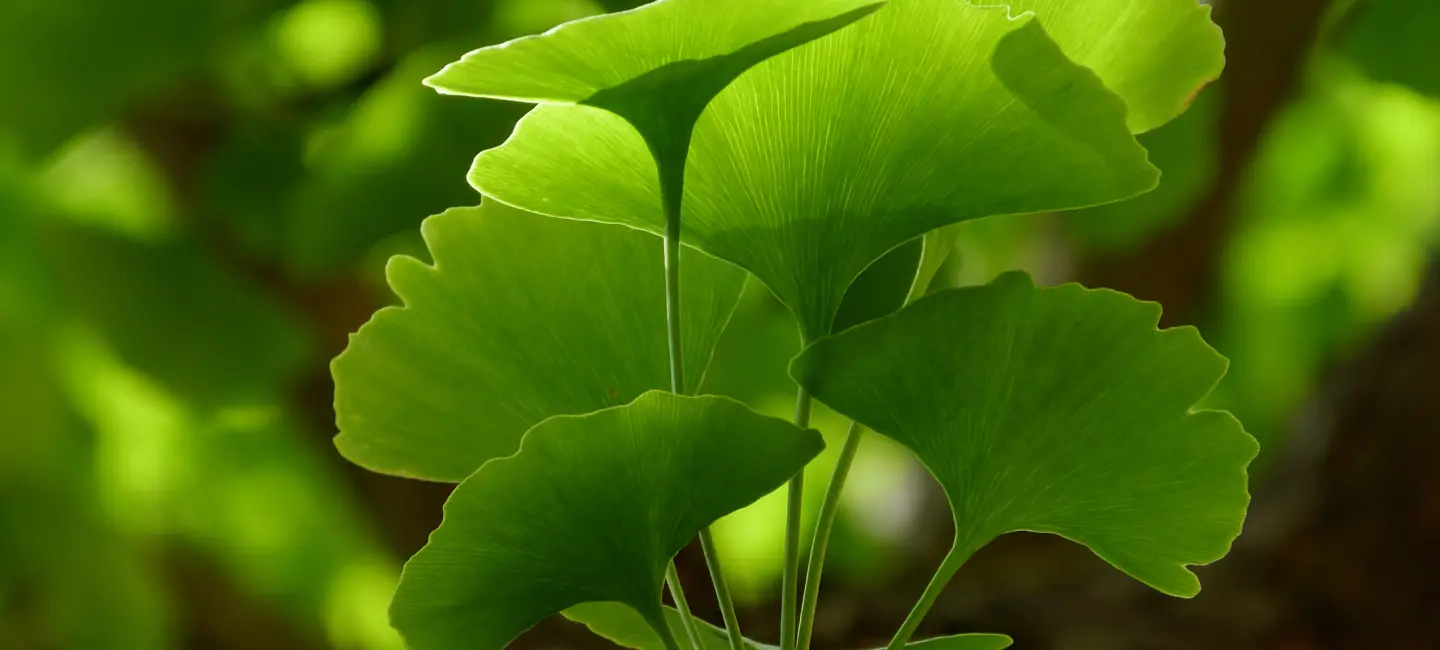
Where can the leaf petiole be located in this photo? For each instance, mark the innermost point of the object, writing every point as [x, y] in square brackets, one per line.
[722, 590]
[682, 605]
[952, 563]
[671, 164]
[656, 620]
[795, 503]
[823, 524]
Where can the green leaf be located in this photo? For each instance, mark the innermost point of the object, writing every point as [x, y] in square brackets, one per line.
[591, 509]
[817, 162]
[1058, 410]
[626, 628]
[522, 317]
[881, 289]
[1157, 54]
[1187, 152]
[656, 67]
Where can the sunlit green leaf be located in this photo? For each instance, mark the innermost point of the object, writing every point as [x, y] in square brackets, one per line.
[1187, 152]
[1157, 54]
[657, 66]
[817, 162]
[1059, 410]
[591, 509]
[626, 628]
[882, 287]
[521, 318]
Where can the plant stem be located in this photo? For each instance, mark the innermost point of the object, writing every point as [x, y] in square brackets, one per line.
[722, 590]
[687, 620]
[790, 577]
[826, 520]
[656, 619]
[953, 561]
[672, 293]
[672, 178]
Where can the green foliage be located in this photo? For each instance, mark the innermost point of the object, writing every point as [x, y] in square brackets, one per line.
[1064, 411]
[824, 166]
[628, 630]
[231, 164]
[1187, 154]
[552, 318]
[894, 146]
[591, 509]
[1157, 55]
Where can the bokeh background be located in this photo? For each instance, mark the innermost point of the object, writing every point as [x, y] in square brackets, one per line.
[197, 200]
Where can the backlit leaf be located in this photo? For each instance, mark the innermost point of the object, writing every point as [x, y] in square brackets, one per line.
[1059, 410]
[521, 318]
[1157, 54]
[657, 66]
[817, 162]
[591, 509]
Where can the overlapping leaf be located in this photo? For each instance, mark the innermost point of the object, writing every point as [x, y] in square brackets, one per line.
[820, 160]
[521, 318]
[627, 629]
[1058, 410]
[592, 509]
[1156, 54]
[657, 66]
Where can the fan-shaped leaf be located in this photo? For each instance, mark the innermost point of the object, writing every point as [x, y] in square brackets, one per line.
[656, 66]
[817, 162]
[1059, 410]
[1156, 54]
[591, 509]
[521, 318]
[625, 628]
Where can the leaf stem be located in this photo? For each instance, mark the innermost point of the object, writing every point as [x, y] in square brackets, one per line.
[790, 577]
[722, 590]
[672, 287]
[823, 524]
[687, 620]
[656, 619]
[672, 183]
[952, 563]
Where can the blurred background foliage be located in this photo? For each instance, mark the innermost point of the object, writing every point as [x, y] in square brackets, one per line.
[197, 200]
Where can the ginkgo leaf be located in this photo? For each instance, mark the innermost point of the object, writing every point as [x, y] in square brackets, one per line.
[656, 66]
[522, 317]
[882, 287]
[591, 509]
[815, 163]
[1156, 54]
[627, 629]
[1059, 410]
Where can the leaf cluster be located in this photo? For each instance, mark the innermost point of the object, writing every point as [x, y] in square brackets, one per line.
[682, 147]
